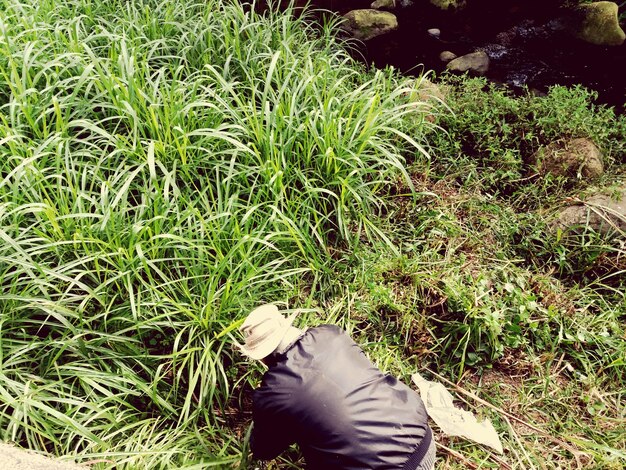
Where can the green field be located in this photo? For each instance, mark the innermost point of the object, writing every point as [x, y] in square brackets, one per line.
[166, 166]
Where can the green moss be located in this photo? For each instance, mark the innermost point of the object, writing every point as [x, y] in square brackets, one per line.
[598, 23]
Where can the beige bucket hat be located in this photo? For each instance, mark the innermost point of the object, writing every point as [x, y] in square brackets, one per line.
[263, 330]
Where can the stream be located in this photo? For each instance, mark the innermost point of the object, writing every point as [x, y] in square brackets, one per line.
[526, 42]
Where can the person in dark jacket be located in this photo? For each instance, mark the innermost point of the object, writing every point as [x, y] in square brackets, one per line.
[321, 392]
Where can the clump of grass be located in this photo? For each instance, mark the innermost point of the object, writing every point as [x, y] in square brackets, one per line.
[165, 167]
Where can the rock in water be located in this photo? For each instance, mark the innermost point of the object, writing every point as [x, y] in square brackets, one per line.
[597, 23]
[367, 23]
[449, 4]
[447, 56]
[476, 62]
[383, 4]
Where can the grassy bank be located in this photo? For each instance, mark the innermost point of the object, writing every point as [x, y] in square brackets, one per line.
[166, 166]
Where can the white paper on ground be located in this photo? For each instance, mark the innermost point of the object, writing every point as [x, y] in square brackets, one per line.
[454, 421]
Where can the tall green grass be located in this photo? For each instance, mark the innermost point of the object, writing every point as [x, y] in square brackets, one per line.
[164, 167]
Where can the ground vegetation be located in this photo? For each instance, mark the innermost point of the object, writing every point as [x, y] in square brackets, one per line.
[165, 166]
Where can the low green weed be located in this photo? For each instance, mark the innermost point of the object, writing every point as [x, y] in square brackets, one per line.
[457, 297]
[487, 312]
[491, 135]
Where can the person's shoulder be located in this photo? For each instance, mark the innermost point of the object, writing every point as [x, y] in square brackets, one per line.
[329, 335]
[325, 332]
[326, 329]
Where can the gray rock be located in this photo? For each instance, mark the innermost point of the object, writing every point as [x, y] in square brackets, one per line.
[383, 4]
[574, 159]
[449, 4]
[603, 213]
[367, 23]
[434, 32]
[476, 62]
[13, 458]
[598, 23]
[447, 56]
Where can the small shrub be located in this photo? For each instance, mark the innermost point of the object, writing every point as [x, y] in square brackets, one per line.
[488, 312]
[491, 134]
[480, 130]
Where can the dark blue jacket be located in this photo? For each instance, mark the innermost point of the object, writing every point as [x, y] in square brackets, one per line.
[324, 394]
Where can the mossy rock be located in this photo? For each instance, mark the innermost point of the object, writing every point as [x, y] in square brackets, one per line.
[368, 23]
[427, 98]
[476, 62]
[449, 4]
[598, 23]
[383, 4]
[605, 214]
[573, 159]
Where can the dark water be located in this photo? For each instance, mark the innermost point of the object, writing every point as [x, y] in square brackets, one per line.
[526, 42]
